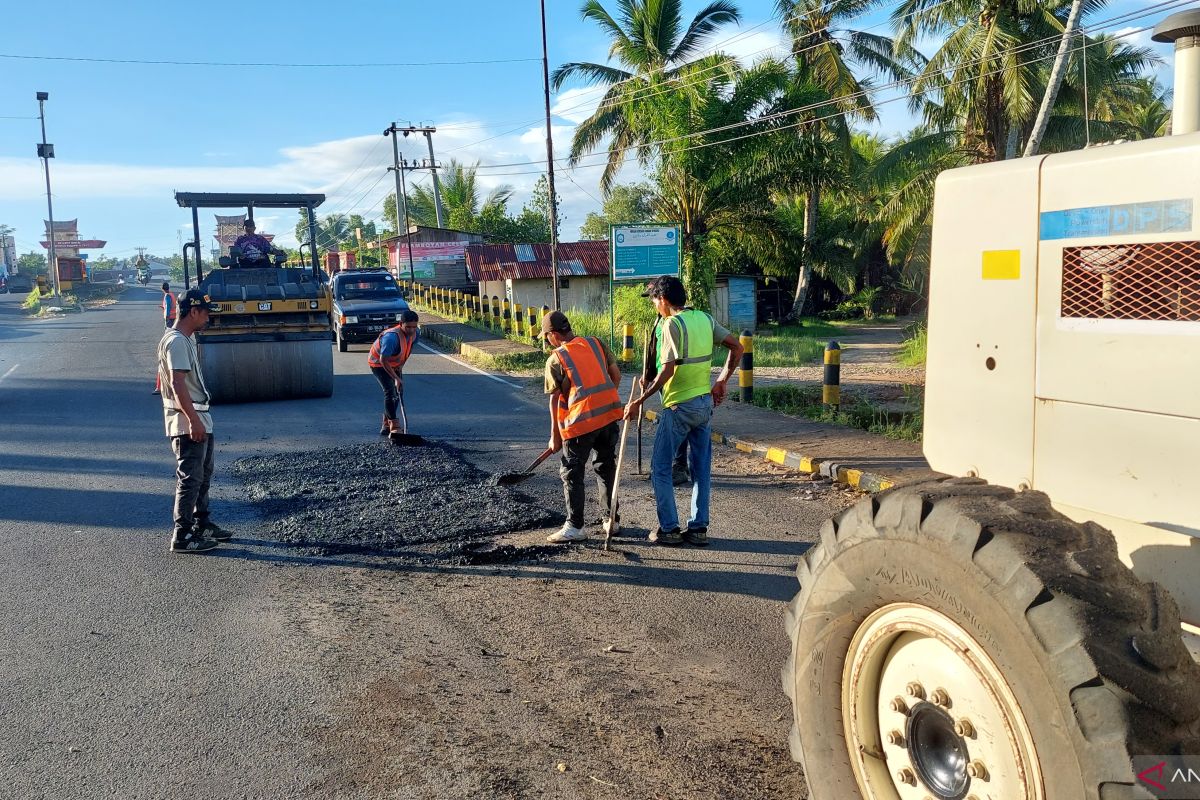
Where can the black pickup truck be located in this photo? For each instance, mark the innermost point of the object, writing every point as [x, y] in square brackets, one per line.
[365, 301]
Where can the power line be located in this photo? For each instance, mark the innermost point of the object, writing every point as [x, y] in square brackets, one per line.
[368, 64]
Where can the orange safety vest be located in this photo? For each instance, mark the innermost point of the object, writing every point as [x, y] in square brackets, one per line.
[593, 401]
[376, 359]
[168, 307]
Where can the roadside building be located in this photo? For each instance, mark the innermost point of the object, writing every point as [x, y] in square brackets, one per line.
[521, 273]
[438, 256]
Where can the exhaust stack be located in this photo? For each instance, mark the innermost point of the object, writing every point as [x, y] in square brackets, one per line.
[1183, 29]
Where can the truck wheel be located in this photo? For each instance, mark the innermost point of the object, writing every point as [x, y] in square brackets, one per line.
[341, 342]
[956, 640]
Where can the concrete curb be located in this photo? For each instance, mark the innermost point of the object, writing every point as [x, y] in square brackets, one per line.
[839, 473]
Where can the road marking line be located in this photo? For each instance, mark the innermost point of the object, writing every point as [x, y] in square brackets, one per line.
[468, 366]
[11, 370]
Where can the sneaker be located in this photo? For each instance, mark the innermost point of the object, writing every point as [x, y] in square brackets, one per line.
[670, 538]
[212, 530]
[568, 533]
[192, 544]
[696, 536]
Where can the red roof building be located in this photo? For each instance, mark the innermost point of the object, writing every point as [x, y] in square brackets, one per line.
[521, 273]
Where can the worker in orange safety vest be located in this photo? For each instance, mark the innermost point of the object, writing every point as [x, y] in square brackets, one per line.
[388, 353]
[582, 377]
[170, 308]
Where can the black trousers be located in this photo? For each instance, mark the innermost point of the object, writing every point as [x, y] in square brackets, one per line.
[574, 456]
[193, 473]
[391, 395]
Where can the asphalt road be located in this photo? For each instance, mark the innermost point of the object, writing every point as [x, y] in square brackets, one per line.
[262, 671]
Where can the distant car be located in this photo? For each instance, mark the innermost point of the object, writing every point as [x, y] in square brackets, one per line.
[365, 302]
[20, 283]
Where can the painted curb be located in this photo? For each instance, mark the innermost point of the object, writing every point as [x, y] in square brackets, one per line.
[840, 473]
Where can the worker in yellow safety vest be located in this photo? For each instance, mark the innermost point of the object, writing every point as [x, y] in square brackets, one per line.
[582, 377]
[686, 343]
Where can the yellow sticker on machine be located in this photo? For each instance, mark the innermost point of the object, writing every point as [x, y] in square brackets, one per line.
[1001, 265]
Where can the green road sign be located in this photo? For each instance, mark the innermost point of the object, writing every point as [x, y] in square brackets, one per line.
[641, 252]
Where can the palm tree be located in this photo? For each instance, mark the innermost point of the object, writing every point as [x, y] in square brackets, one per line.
[657, 57]
[460, 199]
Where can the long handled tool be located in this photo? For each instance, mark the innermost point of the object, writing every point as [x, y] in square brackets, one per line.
[611, 522]
[509, 478]
[404, 437]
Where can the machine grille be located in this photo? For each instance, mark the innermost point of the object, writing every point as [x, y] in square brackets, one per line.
[1154, 281]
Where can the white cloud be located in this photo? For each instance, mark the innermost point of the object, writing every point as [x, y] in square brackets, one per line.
[576, 105]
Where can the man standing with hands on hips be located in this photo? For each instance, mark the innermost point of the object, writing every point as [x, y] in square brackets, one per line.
[684, 358]
[189, 425]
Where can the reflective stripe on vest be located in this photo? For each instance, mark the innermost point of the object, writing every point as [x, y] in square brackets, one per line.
[376, 359]
[692, 376]
[593, 401]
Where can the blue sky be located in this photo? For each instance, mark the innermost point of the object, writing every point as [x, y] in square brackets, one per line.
[128, 135]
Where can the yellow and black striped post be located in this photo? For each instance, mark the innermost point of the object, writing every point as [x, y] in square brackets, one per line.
[518, 320]
[486, 317]
[437, 299]
[545, 311]
[476, 308]
[507, 317]
[461, 297]
[627, 348]
[746, 373]
[496, 313]
[831, 389]
[535, 323]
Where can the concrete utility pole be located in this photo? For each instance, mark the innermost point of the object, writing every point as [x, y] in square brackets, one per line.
[46, 152]
[553, 213]
[400, 166]
[433, 167]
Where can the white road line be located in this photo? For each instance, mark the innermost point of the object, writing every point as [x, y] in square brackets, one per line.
[11, 370]
[468, 366]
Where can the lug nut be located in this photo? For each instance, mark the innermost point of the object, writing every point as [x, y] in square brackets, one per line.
[916, 690]
[964, 728]
[896, 738]
[899, 706]
[976, 769]
[939, 697]
[906, 776]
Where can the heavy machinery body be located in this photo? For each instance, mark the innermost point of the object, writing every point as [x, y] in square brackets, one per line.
[71, 273]
[1064, 334]
[271, 340]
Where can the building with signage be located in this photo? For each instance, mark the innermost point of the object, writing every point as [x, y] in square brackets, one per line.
[438, 256]
[67, 243]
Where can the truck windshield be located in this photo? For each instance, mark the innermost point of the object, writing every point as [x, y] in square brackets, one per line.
[373, 288]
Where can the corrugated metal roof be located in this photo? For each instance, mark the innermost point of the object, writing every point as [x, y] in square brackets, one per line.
[497, 262]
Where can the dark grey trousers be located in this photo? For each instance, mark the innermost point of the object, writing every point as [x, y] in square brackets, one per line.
[193, 471]
[574, 457]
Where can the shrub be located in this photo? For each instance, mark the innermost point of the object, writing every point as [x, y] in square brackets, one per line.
[913, 349]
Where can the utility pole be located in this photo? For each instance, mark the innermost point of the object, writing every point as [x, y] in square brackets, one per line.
[433, 167]
[553, 213]
[46, 152]
[399, 166]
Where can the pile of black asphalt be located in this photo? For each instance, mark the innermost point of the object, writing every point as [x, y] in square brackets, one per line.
[426, 503]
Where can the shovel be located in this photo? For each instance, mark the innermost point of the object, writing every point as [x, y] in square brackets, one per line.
[405, 438]
[509, 478]
[612, 510]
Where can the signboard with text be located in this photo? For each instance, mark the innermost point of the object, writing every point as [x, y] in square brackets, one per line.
[642, 252]
[425, 257]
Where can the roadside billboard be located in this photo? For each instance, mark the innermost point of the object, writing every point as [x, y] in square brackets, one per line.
[642, 252]
[425, 257]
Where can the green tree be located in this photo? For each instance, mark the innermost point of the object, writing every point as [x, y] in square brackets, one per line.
[625, 203]
[32, 263]
[461, 199]
[657, 56]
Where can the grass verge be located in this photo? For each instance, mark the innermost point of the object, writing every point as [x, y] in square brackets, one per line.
[913, 349]
[855, 412]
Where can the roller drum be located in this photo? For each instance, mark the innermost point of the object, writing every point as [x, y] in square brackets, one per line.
[241, 372]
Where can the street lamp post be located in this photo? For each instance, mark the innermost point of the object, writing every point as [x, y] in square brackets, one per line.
[46, 152]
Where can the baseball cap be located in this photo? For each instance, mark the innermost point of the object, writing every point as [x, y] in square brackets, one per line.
[194, 298]
[555, 321]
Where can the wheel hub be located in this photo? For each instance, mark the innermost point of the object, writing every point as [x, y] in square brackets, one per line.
[938, 754]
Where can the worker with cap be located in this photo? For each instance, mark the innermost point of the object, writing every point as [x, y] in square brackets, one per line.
[255, 249]
[169, 308]
[684, 358]
[389, 352]
[189, 425]
[582, 377]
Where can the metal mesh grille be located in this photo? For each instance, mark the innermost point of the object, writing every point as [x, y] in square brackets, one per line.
[1156, 281]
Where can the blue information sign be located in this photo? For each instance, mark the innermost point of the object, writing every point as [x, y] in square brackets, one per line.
[641, 252]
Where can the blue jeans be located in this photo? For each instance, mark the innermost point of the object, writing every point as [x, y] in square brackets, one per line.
[688, 421]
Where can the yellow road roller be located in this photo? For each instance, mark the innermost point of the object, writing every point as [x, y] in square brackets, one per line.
[271, 340]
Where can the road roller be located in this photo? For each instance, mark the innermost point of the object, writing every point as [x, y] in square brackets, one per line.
[272, 339]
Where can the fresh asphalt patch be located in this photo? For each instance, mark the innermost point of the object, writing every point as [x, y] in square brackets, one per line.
[427, 504]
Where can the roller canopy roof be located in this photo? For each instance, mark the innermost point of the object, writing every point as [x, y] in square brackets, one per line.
[240, 200]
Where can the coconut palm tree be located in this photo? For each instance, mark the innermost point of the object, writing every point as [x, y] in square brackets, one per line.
[657, 57]
[460, 199]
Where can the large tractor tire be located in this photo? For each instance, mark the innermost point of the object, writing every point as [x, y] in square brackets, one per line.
[955, 640]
